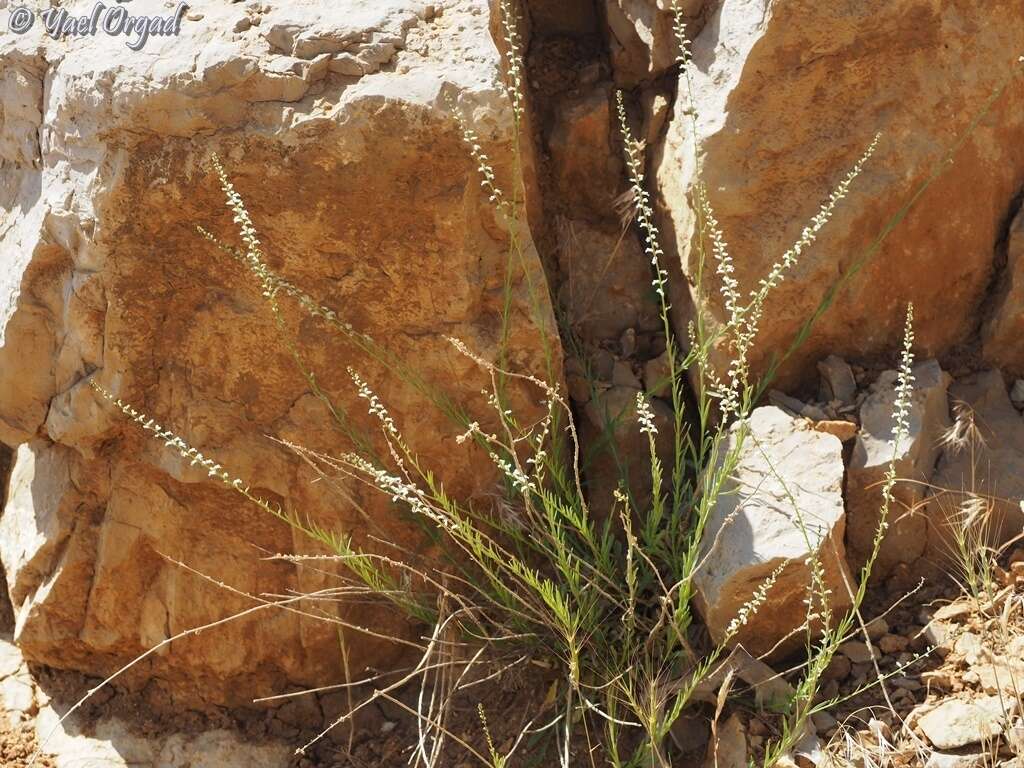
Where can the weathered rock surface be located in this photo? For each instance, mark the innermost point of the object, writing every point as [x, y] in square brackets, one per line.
[334, 124]
[783, 505]
[915, 460]
[839, 73]
[992, 472]
[957, 723]
[1004, 327]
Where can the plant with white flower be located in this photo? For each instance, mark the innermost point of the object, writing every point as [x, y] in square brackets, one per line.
[743, 321]
[514, 69]
[642, 201]
[376, 407]
[645, 415]
[749, 609]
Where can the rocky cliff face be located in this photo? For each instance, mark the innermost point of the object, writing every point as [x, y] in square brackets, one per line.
[334, 120]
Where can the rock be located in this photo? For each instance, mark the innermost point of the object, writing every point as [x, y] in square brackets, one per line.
[838, 668]
[969, 646]
[994, 469]
[837, 382]
[1001, 332]
[816, 56]
[967, 759]
[658, 376]
[623, 376]
[753, 530]
[844, 430]
[1017, 394]
[796, 407]
[112, 743]
[10, 659]
[365, 195]
[823, 721]
[957, 723]
[875, 448]
[858, 652]
[1004, 676]
[606, 290]
[877, 627]
[890, 644]
[690, 733]
[642, 42]
[729, 749]
[620, 449]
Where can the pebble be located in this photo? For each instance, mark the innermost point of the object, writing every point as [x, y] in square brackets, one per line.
[858, 651]
[823, 721]
[837, 669]
[876, 628]
[893, 643]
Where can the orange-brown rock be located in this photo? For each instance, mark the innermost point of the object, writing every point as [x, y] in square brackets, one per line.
[334, 123]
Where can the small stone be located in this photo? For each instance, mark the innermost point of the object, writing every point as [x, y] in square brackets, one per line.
[837, 381]
[837, 669]
[938, 679]
[658, 376]
[1017, 394]
[858, 652]
[906, 683]
[796, 407]
[627, 342]
[877, 627]
[1005, 676]
[844, 430]
[823, 721]
[953, 611]
[957, 723]
[889, 644]
[968, 759]
[730, 749]
[17, 695]
[970, 646]
[936, 635]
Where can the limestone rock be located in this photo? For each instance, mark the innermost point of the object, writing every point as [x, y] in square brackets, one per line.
[606, 283]
[915, 463]
[333, 120]
[114, 744]
[642, 42]
[1005, 324]
[966, 759]
[994, 470]
[840, 73]
[957, 723]
[837, 382]
[786, 490]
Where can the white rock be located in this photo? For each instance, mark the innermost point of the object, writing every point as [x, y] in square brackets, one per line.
[786, 490]
[967, 760]
[114, 744]
[994, 469]
[1017, 394]
[957, 723]
[875, 448]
